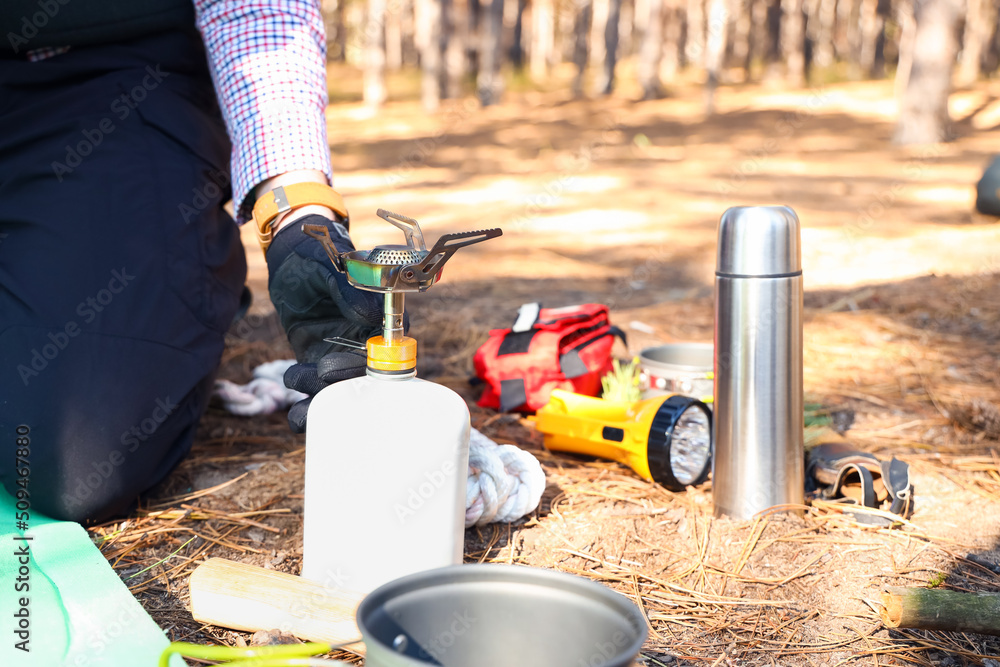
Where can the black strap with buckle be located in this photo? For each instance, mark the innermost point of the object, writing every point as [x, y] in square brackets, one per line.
[845, 475]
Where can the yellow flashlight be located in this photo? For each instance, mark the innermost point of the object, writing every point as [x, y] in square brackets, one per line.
[664, 439]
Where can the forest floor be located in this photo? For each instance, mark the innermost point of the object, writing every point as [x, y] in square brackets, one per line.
[615, 201]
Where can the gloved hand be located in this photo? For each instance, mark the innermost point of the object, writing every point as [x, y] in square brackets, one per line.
[311, 378]
[314, 301]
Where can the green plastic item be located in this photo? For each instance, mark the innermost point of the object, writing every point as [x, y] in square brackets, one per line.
[79, 613]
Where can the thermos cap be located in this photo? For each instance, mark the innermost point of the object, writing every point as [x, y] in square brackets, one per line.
[759, 241]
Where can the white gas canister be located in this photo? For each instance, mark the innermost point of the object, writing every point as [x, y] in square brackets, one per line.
[386, 468]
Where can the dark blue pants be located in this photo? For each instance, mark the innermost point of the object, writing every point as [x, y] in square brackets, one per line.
[120, 272]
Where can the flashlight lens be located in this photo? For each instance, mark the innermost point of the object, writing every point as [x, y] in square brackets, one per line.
[690, 445]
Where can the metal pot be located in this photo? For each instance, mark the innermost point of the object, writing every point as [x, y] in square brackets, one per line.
[677, 368]
[492, 615]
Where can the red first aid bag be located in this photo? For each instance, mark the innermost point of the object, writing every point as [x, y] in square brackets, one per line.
[547, 348]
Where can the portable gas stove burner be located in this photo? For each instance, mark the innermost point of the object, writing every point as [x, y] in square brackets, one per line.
[395, 269]
[398, 268]
[395, 255]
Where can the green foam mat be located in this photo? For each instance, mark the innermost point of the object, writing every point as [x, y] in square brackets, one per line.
[78, 612]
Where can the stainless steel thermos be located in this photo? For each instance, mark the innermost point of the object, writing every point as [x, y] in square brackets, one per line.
[758, 458]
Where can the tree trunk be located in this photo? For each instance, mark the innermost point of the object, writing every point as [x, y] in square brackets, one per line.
[421, 26]
[884, 11]
[757, 49]
[429, 19]
[600, 20]
[340, 21]
[694, 49]
[854, 32]
[991, 57]
[581, 40]
[821, 24]
[923, 117]
[475, 13]
[488, 82]
[516, 51]
[456, 23]
[626, 23]
[394, 38]
[684, 32]
[872, 29]
[607, 82]
[445, 33]
[741, 35]
[408, 22]
[355, 18]
[374, 76]
[542, 38]
[775, 41]
[842, 29]
[792, 41]
[651, 51]
[715, 49]
[979, 23]
[673, 42]
[907, 32]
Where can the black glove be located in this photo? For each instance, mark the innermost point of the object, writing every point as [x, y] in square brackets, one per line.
[311, 378]
[314, 301]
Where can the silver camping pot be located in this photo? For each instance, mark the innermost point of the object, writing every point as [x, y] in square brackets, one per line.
[677, 368]
[492, 615]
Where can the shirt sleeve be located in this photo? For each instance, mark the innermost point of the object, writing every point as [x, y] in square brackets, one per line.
[268, 62]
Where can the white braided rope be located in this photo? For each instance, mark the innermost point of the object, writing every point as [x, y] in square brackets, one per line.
[265, 394]
[505, 482]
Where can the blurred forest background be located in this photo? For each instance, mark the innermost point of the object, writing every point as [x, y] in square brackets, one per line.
[461, 46]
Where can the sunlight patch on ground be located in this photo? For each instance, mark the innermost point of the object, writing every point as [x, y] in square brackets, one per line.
[963, 104]
[964, 196]
[845, 102]
[709, 209]
[859, 100]
[988, 118]
[863, 100]
[664, 153]
[508, 190]
[362, 112]
[785, 167]
[537, 262]
[355, 181]
[846, 257]
[595, 221]
[829, 142]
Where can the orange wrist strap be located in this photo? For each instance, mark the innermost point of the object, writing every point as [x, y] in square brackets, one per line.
[286, 198]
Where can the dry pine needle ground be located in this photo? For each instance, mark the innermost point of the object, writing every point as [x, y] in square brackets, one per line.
[785, 588]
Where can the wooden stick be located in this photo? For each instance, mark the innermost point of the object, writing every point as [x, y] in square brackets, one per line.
[932, 609]
[246, 597]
